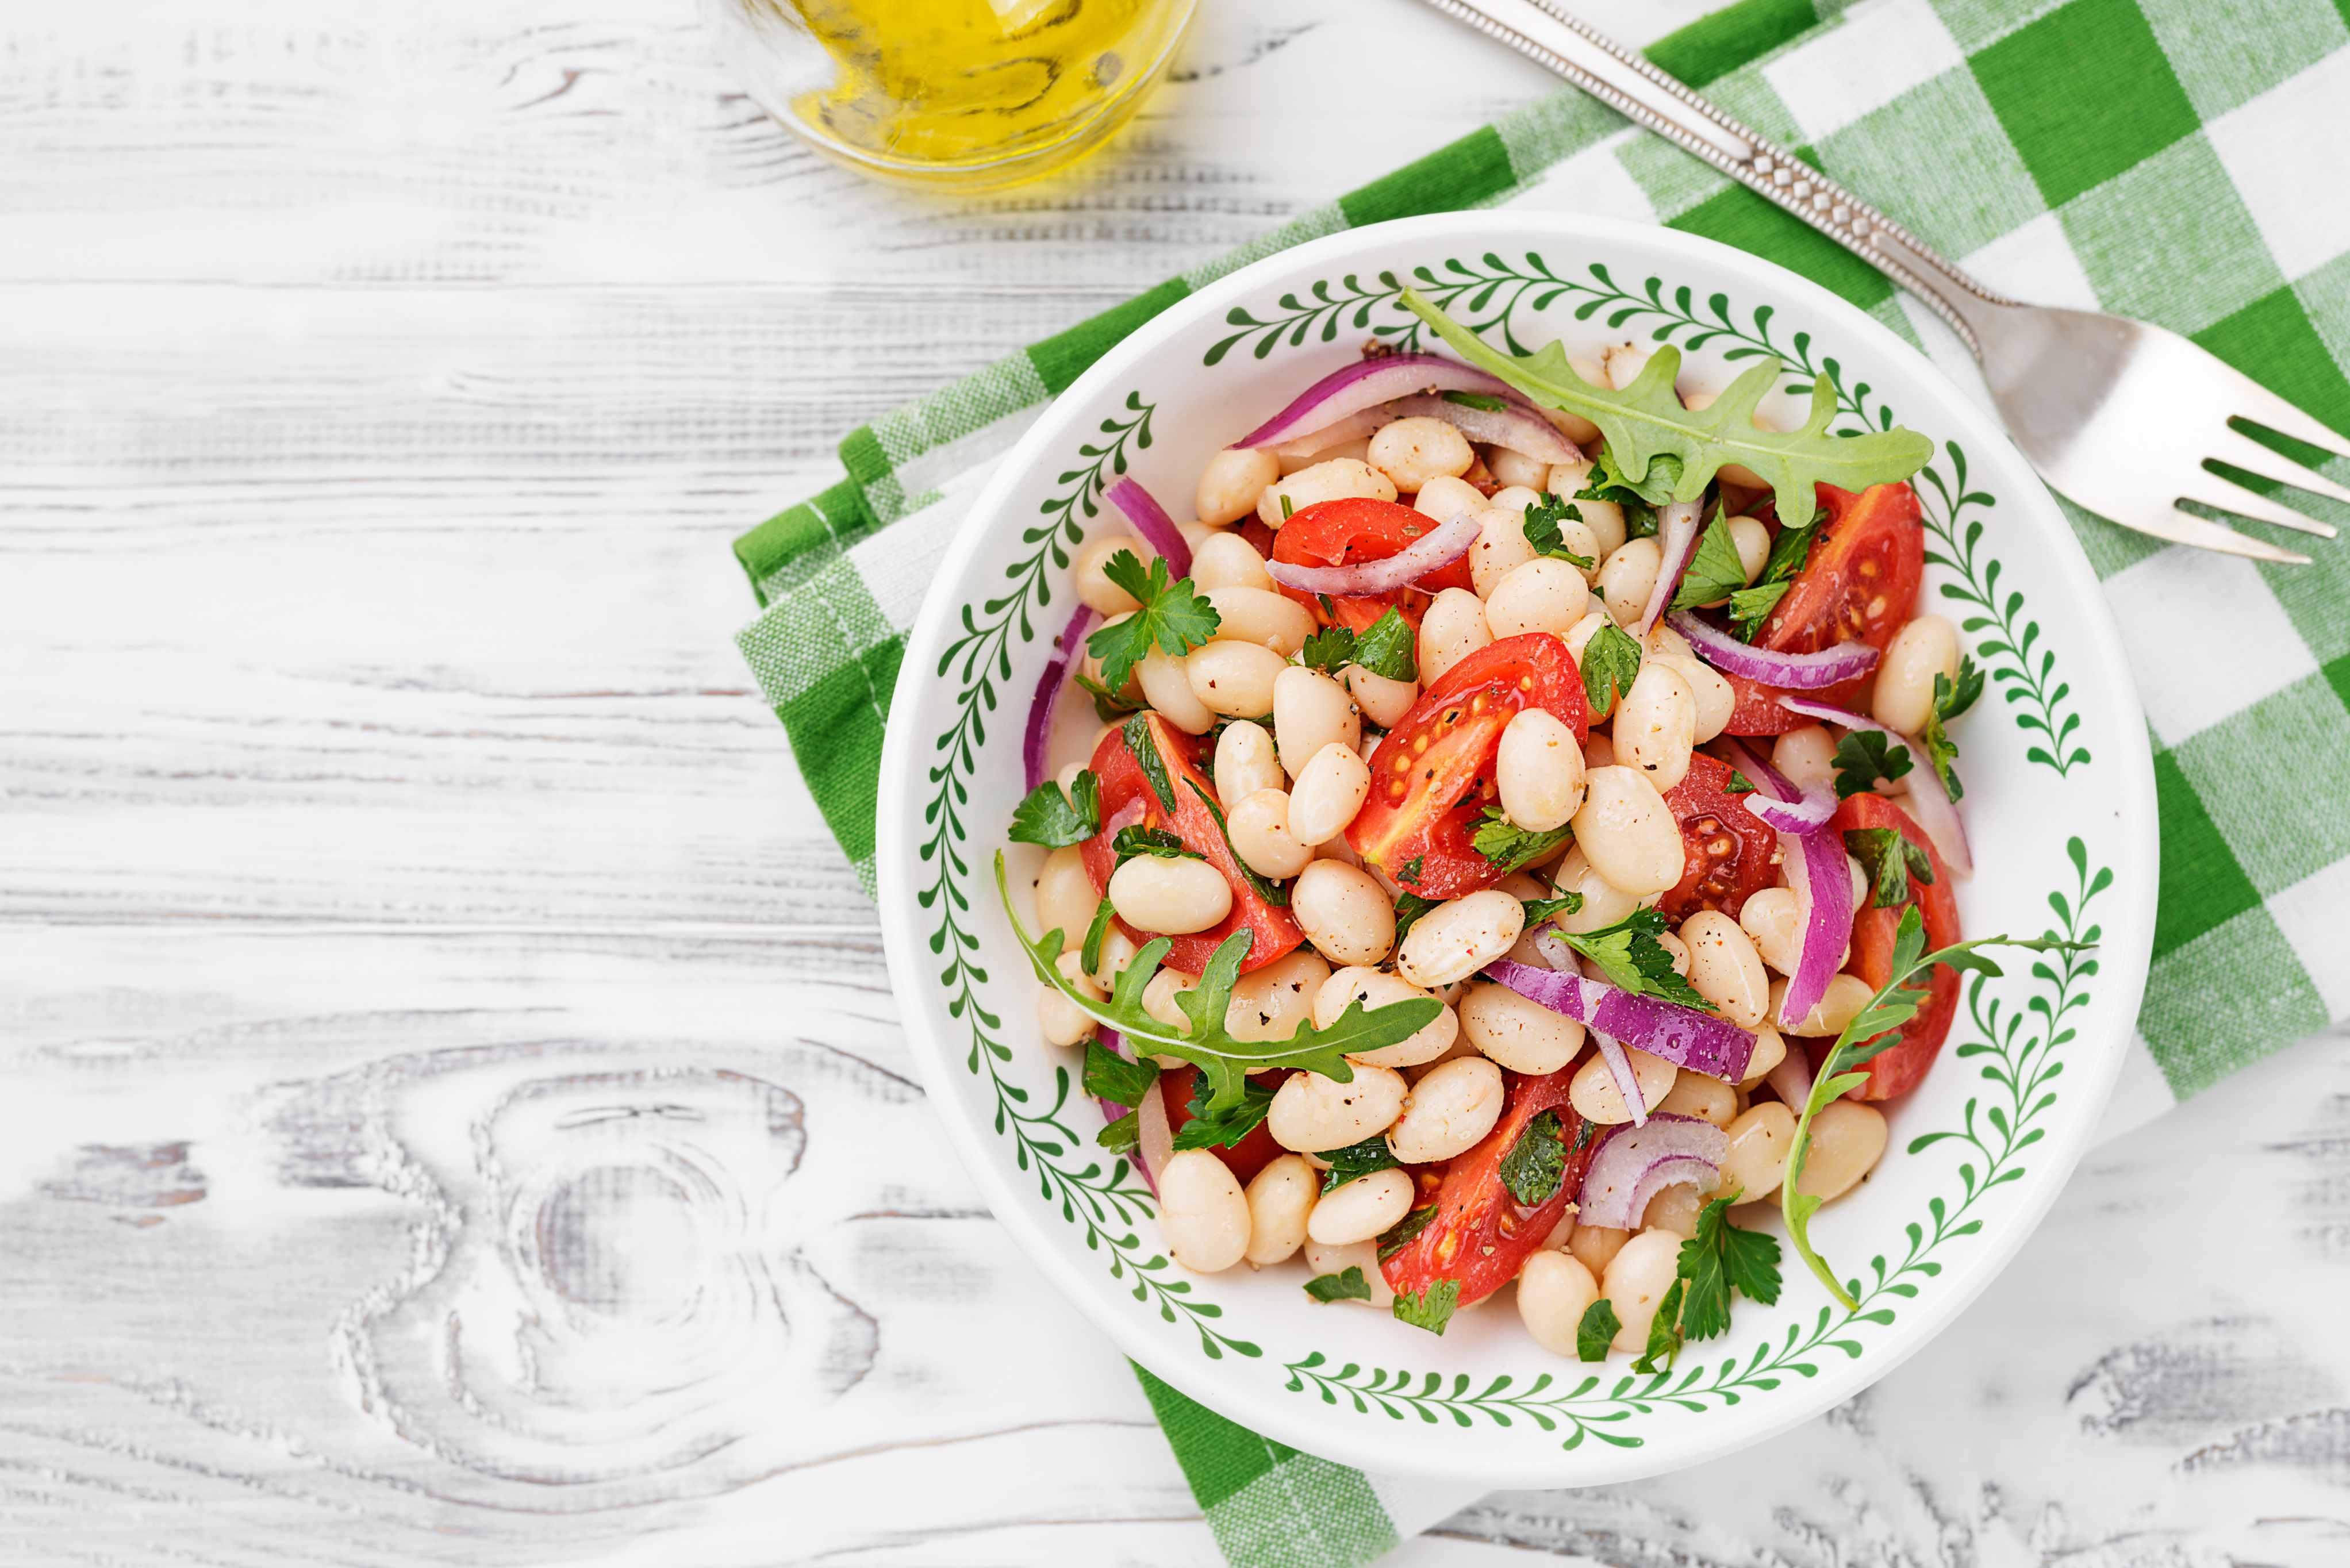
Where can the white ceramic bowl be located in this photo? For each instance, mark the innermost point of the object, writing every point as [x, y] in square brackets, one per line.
[2060, 806]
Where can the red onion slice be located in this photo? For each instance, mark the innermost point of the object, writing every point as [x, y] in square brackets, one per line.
[1049, 687]
[1788, 671]
[1676, 531]
[1154, 1139]
[1518, 428]
[1560, 957]
[1439, 547]
[1151, 521]
[1822, 879]
[1632, 1165]
[1366, 384]
[1776, 801]
[1929, 804]
[1791, 1078]
[1353, 427]
[1700, 1042]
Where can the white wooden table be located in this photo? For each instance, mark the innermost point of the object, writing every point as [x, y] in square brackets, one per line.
[380, 388]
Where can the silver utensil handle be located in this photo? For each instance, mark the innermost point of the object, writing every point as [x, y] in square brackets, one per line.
[1639, 91]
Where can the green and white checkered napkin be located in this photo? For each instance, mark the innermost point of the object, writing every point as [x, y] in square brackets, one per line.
[2171, 160]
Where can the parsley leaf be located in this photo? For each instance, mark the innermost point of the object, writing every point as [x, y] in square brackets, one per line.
[1109, 707]
[1541, 530]
[1222, 1130]
[1271, 891]
[1541, 910]
[1173, 616]
[1714, 571]
[1122, 1135]
[1739, 783]
[1890, 860]
[1633, 959]
[1110, 1076]
[1485, 400]
[1750, 607]
[1664, 1331]
[1865, 756]
[1145, 749]
[1536, 1164]
[1600, 1325]
[1348, 1285]
[1431, 1309]
[1049, 817]
[1399, 1236]
[1388, 648]
[1330, 649]
[1136, 839]
[1090, 954]
[1355, 1159]
[1950, 702]
[1718, 1259]
[1508, 846]
[1611, 661]
[1606, 484]
[1409, 908]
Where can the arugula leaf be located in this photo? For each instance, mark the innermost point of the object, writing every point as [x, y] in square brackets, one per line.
[1110, 1076]
[1399, 1236]
[1865, 756]
[1890, 860]
[1633, 959]
[1485, 400]
[1145, 750]
[1049, 817]
[1224, 1062]
[1611, 661]
[1347, 1285]
[1090, 954]
[1645, 423]
[1173, 615]
[1431, 1309]
[1599, 1327]
[1750, 607]
[1664, 1331]
[1388, 648]
[1894, 1005]
[1409, 908]
[1355, 1159]
[1330, 649]
[1714, 571]
[1540, 909]
[1222, 1130]
[1543, 532]
[1122, 1135]
[1718, 1259]
[1951, 699]
[1739, 783]
[1109, 707]
[1508, 846]
[1135, 839]
[1271, 891]
[1536, 1164]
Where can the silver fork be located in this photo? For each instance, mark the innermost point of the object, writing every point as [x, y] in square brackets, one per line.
[2120, 415]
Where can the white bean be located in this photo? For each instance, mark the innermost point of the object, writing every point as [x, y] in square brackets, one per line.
[1259, 827]
[1604, 903]
[1246, 761]
[1595, 1246]
[1594, 1092]
[1445, 499]
[1927, 647]
[1806, 756]
[1514, 498]
[1332, 480]
[1358, 451]
[1459, 937]
[1500, 547]
[1715, 700]
[1760, 1137]
[1382, 700]
[1094, 588]
[1695, 1095]
[1450, 629]
[1846, 994]
[1510, 467]
[1449, 1111]
[1203, 1212]
[1346, 914]
[1118, 951]
[1655, 726]
[1539, 769]
[1235, 678]
[1517, 1031]
[1628, 831]
[1770, 1049]
[1847, 1140]
[1364, 1255]
[1231, 481]
[1168, 690]
[1773, 917]
[1554, 1292]
[1374, 989]
[1066, 898]
[1280, 1196]
[1541, 595]
[1274, 1001]
[1674, 1209]
[1229, 561]
[1412, 451]
[1725, 969]
[1311, 711]
[1627, 576]
[1599, 752]
[1623, 363]
[1330, 789]
[1604, 518]
[1361, 1208]
[1752, 541]
[1261, 617]
[1174, 897]
[1311, 1114]
[1063, 1021]
[1636, 1282]
[1158, 999]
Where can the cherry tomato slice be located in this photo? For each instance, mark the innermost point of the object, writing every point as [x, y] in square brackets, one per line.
[1900, 1068]
[1434, 773]
[1352, 530]
[1128, 796]
[1860, 583]
[1481, 1235]
[1245, 1159]
[1727, 854]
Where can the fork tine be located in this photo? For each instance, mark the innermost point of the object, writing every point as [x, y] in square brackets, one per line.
[2183, 527]
[2265, 407]
[2240, 451]
[2230, 496]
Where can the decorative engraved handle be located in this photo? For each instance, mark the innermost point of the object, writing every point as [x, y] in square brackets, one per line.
[1646, 96]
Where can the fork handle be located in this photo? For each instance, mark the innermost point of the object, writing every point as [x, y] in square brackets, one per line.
[1638, 90]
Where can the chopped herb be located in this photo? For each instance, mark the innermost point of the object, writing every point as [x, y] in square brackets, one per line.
[1222, 1130]
[1410, 875]
[1121, 1135]
[1714, 571]
[1865, 756]
[1541, 910]
[1136, 839]
[1536, 1164]
[1604, 484]
[1543, 532]
[1750, 607]
[1172, 616]
[1739, 783]
[1431, 1309]
[1287, 506]
[1355, 1159]
[1611, 662]
[1718, 1259]
[1664, 1331]
[1510, 846]
[1584, 1134]
[1138, 741]
[1387, 647]
[1109, 707]
[1890, 860]
[1596, 1331]
[1347, 1285]
[1110, 1076]
[1271, 891]
[1329, 604]
[1485, 400]
[1055, 819]
[1330, 649]
[1399, 1236]
[1633, 959]
[1409, 908]
[1090, 955]
[1951, 699]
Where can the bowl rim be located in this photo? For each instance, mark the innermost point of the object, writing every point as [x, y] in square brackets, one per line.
[2125, 949]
